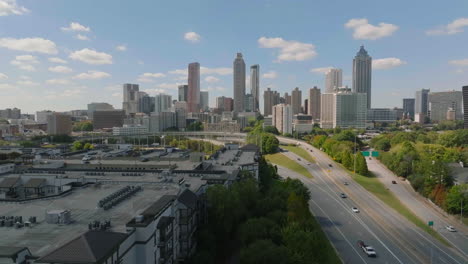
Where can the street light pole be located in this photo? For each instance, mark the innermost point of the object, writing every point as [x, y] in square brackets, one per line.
[355, 155]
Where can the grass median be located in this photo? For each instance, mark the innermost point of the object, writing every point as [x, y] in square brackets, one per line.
[300, 152]
[373, 185]
[283, 161]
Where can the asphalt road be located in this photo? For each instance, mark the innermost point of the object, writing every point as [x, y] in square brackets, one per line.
[395, 239]
[420, 206]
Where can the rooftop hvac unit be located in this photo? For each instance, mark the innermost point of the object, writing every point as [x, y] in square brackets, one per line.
[58, 217]
[139, 218]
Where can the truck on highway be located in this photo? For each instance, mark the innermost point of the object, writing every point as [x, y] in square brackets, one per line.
[370, 252]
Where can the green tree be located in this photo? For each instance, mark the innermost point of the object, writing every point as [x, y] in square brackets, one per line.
[264, 252]
[361, 165]
[347, 160]
[259, 228]
[77, 145]
[456, 197]
[271, 129]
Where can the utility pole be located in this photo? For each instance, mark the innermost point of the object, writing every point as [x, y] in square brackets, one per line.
[355, 155]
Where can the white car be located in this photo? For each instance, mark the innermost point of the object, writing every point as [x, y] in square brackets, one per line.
[355, 210]
[450, 228]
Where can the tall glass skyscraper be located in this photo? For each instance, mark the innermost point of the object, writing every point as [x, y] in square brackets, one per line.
[193, 95]
[255, 86]
[239, 83]
[362, 74]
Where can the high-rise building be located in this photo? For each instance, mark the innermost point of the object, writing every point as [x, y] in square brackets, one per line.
[204, 101]
[343, 109]
[239, 83]
[465, 106]
[306, 106]
[162, 102]
[248, 103]
[441, 102]
[146, 103]
[314, 103]
[270, 99]
[296, 100]
[362, 74]
[41, 116]
[108, 119]
[255, 86]
[183, 92]
[181, 114]
[282, 118]
[9, 113]
[287, 99]
[193, 94]
[130, 98]
[224, 103]
[59, 124]
[333, 79]
[421, 103]
[98, 107]
[408, 107]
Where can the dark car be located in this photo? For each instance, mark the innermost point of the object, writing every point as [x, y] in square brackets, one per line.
[329, 165]
[342, 195]
[394, 182]
[144, 160]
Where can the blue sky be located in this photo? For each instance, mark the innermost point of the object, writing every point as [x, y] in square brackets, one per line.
[61, 55]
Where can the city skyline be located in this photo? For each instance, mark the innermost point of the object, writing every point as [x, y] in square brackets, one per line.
[101, 56]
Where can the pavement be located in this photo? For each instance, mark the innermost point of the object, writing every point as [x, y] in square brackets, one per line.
[395, 239]
[421, 206]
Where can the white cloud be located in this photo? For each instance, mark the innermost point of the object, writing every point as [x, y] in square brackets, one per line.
[58, 82]
[81, 37]
[215, 88]
[167, 86]
[220, 71]
[92, 75]
[140, 62]
[60, 69]
[192, 37]
[454, 27]
[153, 91]
[179, 72]
[116, 94]
[270, 75]
[321, 70]
[463, 62]
[290, 50]
[114, 87]
[29, 45]
[364, 30]
[121, 48]
[211, 79]
[8, 87]
[9, 7]
[3, 76]
[25, 62]
[387, 63]
[27, 83]
[149, 77]
[91, 57]
[57, 60]
[74, 26]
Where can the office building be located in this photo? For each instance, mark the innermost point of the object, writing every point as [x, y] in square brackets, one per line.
[41, 116]
[249, 103]
[183, 92]
[98, 107]
[343, 109]
[465, 106]
[193, 95]
[108, 119]
[314, 103]
[306, 106]
[296, 100]
[9, 113]
[255, 86]
[382, 115]
[159, 122]
[59, 124]
[204, 101]
[408, 107]
[270, 98]
[333, 79]
[180, 109]
[282, 118]
[362, 74]
[287, 99]
[441, 102]
[162, 102]
[129, 130]
[421, 102]
[130, 98]
[239, 83]
[224, 103]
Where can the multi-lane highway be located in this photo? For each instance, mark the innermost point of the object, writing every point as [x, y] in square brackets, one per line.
[395, 239]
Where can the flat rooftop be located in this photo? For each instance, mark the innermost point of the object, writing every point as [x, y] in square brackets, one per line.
[83, 204]
[227, 161]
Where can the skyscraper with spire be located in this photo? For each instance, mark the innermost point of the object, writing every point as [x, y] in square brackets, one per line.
[239, 83]
[255, 86]
[362, 74]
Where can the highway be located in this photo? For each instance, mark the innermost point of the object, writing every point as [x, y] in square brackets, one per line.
[395, 239]
[420, 206]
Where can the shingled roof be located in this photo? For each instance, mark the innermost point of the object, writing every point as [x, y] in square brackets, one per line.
[9, 182]
[90, 247]
[35, 183]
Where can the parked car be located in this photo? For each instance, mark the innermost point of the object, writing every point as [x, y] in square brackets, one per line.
[355, 210]
[394, 182]
[144, 159]
[298, 159]
[450, 228]
[342, 195]
[370, 252]
[329, 165]
[346, 183]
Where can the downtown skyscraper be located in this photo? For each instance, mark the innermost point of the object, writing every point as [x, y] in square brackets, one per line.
[239, 83]
[333, 79]
[362, 74]
[130, 98]
[193, 93]
[255, 86]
